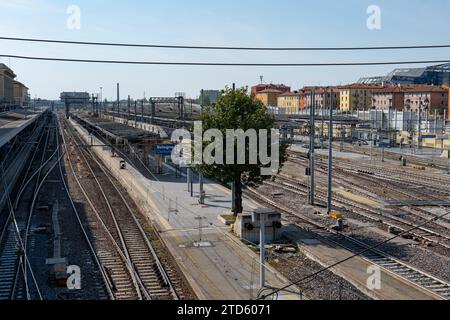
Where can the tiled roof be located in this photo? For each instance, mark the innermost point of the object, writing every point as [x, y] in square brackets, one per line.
[360, 86]
[270, 91]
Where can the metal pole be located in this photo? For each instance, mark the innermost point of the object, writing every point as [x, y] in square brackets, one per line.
[153, 106]
[142, 111]
[101, 100]
[189, 179]
[129, 107]
[330, 156]
[372, 142]
[435, 121]
[445, 122]
[192, 183]
[233, 197]
[118, 100]
[201, 100]
[312, 149]
[135, 113]
[262, 245]
[324, 99]
[419, 138]
[93, 105]
[448, 171]
[202, 189]
[389, 126]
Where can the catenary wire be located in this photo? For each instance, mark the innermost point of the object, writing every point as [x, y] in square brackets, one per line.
[224, 64]
[236, 48]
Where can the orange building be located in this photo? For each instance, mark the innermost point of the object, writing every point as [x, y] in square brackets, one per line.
[269, 97]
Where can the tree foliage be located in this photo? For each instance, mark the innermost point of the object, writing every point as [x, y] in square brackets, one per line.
[237, 110]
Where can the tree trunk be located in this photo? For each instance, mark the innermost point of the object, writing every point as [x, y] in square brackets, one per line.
[238, 208]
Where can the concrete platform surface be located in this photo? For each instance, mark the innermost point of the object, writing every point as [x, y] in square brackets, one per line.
[11, 125]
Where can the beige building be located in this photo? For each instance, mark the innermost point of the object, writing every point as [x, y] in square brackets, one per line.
[268, 97]
[427, 97]
[20, 94]
[357, 96]
[290, 101]
[7, 77]
[321, 97]
[390, 97]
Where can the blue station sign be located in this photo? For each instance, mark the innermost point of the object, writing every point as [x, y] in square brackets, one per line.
[164, 149]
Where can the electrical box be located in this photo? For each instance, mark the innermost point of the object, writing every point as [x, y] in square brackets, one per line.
[247, 226]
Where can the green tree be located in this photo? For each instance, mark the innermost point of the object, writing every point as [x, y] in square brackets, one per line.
[237, 110]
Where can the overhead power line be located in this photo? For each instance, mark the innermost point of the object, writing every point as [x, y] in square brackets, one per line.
[225, 64]
[163, 46]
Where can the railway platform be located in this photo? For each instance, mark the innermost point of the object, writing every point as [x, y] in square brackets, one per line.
[217, 265]
[13, 123]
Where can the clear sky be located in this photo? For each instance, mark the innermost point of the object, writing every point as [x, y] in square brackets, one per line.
[221, 23]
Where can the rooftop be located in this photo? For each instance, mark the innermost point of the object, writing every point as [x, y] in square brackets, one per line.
[360, 86]
[4, 67]
[270, 91]
[20, 84]
[292, 94]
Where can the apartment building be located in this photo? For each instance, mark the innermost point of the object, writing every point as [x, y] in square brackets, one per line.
[20, 94]
[290, 102]
[426, 97]
[269, 97]
[322, 98]
[389, 97]
[357, 96]
[7, 77]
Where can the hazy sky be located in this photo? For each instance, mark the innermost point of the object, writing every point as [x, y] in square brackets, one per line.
[221, 23]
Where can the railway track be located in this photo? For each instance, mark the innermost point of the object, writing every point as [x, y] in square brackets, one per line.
[129, 259]
[375, 215]
[437, 233]
[433, 163]
[13, 256]
[438, 288]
